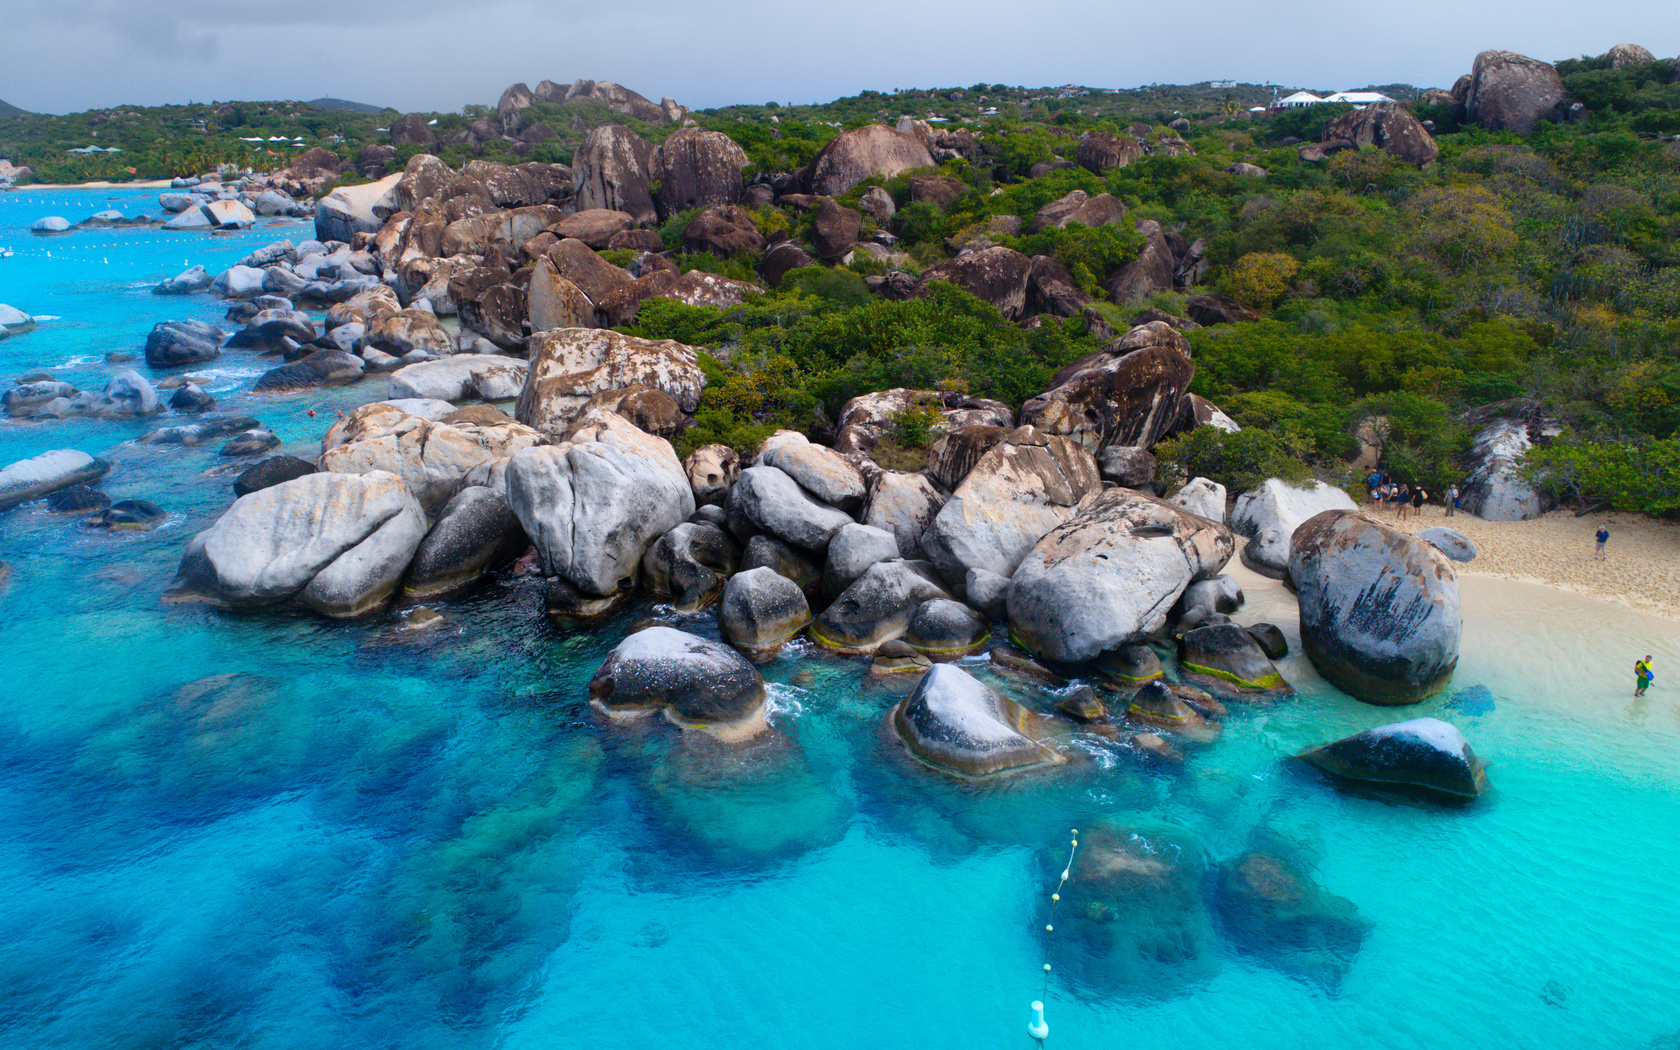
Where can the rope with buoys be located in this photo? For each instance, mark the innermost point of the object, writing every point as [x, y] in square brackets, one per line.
[1037, 1027]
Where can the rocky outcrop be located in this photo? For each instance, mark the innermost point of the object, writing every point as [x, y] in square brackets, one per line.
[697, 684]
[696, 168]
[571, 365]
[484, 377]
[689, 564]
[174, 343]
[877, 607]
[852, 550]
[866, 419]
[996, 275]
[1127, 393]
[1216, 309]
[1424, 753]
[821, 471]
[1270, 514]
[724, 231]
[1019, 490]
[1512, 92]
[475, 529]
[349, 210]
[1110, 574]
[30, 479]
[1052, 290]
[1225, 660]
[336, 543]
[434, 458]
[1626, 56]
[1380, 615]
[956, 725]
[1387, 126]
[595, 502]
[611, 171]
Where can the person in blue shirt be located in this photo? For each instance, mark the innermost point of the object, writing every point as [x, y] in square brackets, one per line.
[1603, 538]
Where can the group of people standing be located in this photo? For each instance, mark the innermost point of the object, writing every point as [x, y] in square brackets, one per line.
[1400, 497]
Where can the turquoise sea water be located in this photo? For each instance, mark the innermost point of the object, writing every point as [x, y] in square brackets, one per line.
[278, 831]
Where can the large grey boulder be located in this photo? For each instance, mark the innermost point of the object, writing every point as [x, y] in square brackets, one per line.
[595, 502]
[193, 279]
[904, 505]
[126, 396]
[1111, 574]
[765, 551]
[761, 609]
[1454, 544]
[1270, 514]
[1380, 615]
[486, 377]
[1020, 489]
[1422, 753]
[349, 210]
[956, 725]
[321, 368]
[821, 471]
[174, 343]
[853, 550]
[32, 478]
[1202, 497]
[689, 564]
[475, 528]
[611, 171]
[946, 629]
[1387, 126]
[337, 543]
[1496, 490]
[697, 684]
[854, 155]
[877, 607]
[696, 168]
[765, 499]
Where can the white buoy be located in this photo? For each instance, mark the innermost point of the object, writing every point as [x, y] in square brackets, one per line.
[1037, 1027]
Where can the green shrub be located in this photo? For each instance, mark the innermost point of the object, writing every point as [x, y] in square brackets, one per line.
[1238, 461]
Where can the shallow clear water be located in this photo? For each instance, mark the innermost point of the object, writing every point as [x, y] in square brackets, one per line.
[277, 831]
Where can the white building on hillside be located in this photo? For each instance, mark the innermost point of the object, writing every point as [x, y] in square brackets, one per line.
[1299, 99]
[1307, 98]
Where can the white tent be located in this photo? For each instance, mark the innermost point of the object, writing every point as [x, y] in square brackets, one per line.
[1299, 99]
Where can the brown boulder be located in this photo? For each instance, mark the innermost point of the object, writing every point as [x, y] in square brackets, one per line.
[782, 258]
[1079, 207]
[855, 155]
[1053, 290]
[411, 129]
[1624, 56]
[1512, 92]
[619, 306]
[699, 288]
[711, 470]
[595, 227]
[636, 241]
[554, 302]
[1098, 151]
[725, 231]
[957, 451]
[697, 168]
[510, 186]
[474, 236]
[996, 275]
[653, 411]
[314, 162]
[1216, 309]
[1151, 271]
[571, 365]
[611, 171]
[1387, 126]
[835, 230]
[1127, 393]
[937, 190]
[497, 311]
[595, 277]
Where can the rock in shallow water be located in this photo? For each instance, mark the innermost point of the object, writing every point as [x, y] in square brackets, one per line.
[337, 543]
[762, 609]
[1380, 615]
[35, 477]
[1424, 753]
[475, 528]
[956, 725]
[1272, 908]
[695, 683]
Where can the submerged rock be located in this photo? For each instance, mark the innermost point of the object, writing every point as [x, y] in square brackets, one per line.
[1380, 615]
[77, 499]
[697, 684]
[1422, 753]
[128, 514]
[1272, 908]
[956, 725]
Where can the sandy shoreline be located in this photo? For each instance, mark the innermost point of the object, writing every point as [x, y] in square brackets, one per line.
[1641, 570]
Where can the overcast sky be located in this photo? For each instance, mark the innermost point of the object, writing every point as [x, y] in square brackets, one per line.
[63, 56]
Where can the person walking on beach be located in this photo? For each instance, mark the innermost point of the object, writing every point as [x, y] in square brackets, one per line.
[1642, 676]
[1418, 496]
[1450, 500]
[1603, 538]
[1403, 497]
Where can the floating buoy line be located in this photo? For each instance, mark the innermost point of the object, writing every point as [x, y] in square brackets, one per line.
[1037, 1026]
